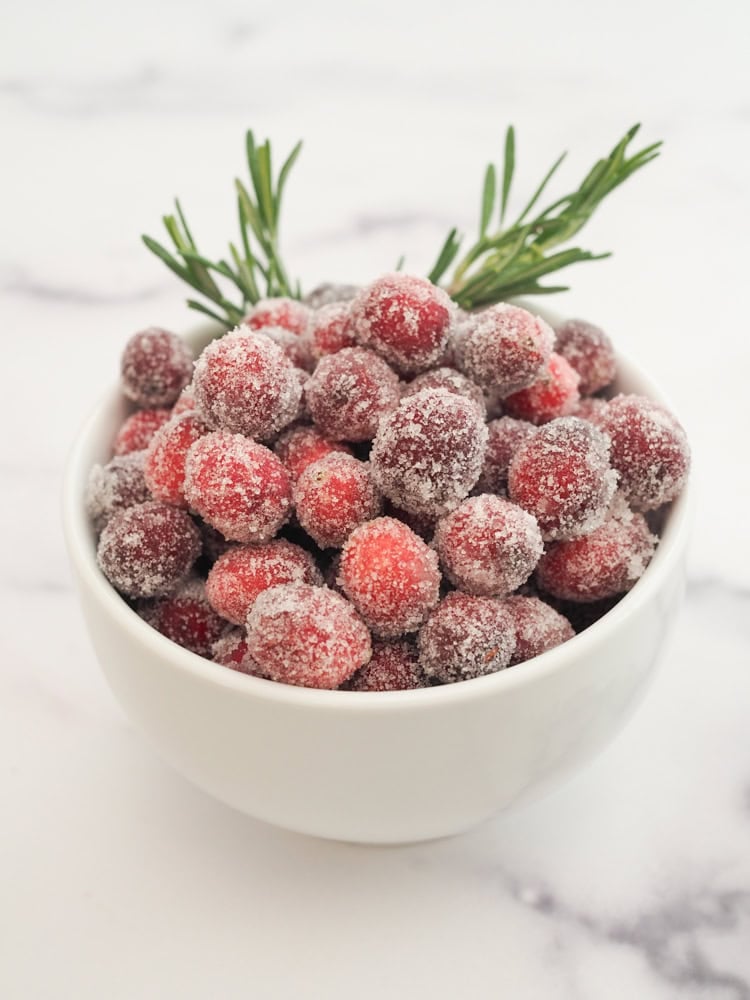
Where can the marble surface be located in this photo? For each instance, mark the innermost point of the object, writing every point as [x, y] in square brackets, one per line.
[120, 880]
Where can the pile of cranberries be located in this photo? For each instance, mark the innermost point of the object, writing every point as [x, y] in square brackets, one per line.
[371, 490]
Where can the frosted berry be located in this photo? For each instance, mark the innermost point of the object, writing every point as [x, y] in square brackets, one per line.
[649, 449]
[538, 627]
[393, 667]
[328, 293]
[604, 563]
[390, 576]
[296, 347]
[406, 319]
[155, 367]
[301, 446]
[505, 436]
[289, 314]
[428, 453]
[164, 467]
[553, 394]
[449, 380]
[333, 496]
[329, 331]
[465, 637]
[231, 651]
[114, 486]
[245, 571]
[244, 383]
[185, 402]
[308, 636]
[589, 351]
[147, 550]
[505, 347]
[590, 408]
[137, 430]
[488, 546]
[562, 476]
[350, 392]
[186, 617]
[238, 486]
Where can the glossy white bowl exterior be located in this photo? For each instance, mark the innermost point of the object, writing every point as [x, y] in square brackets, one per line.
[377, 767]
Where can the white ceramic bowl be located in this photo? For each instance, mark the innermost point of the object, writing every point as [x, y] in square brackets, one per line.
[374, 767]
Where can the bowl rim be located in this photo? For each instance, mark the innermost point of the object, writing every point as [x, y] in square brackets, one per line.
[82, 553]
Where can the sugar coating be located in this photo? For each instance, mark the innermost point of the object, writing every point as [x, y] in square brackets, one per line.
[350, 392]
[307, 636]
[245, 571]
[114, 486]
[504, 436]
[505, 347]
[604, 563]
[428, 453]
[466, 637]
[390, 575]
[136, 431]
[393, 667]
[231, 651]
[588, 349]
[538, 627]
[329, 330]
[488, 546]
[407, 320]
[164, 466]
[299, 446]
[147, 550]
[155, 366]
[328, 293]
[245, 384]
[333, 496]
[590, 408]
[449, 380]
[650, 450]
[238, 486]
[296, 346]
[289, 314]
[185, 402]
[562, 476]
[185, 617]
[553, 394]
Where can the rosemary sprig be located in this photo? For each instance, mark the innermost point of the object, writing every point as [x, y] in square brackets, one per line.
[512, 260]
[254, 269]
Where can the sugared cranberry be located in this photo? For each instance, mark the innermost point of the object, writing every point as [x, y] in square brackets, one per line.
[328, 330]
[289, 314]
[406, 319]
[186, 617]
[245, 384]
[137, 430]
[589, 350]
[301, 446]
[562, 476]
[296, 347]
[553, 394]
[245, 571]
[449, 380]
[164, 468]
[333, 496]
[429, 452]
[147, 550]
[505, 347]
[393, 667]
[649, 449]
[328, 293]
[185, 402]
[466, 637]
[350, 392]
[590, 408]
[488, 546]
[114, 486]
[538, 627]
[308, 636]
[238, 486]
[155, 367]
[390, 575]
[504, 437]
[231, 651]
[606, 562]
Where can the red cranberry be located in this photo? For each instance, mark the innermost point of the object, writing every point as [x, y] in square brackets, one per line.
[505, 436]
[554, 394]
[505, 347]
[164, 468]
[231, 651]
[350, 392]
[137, 430]
[186, 618]
[114, 486]
[590, 408]
[296, 347]
[449, 380]
[308, 636]
[329, 330]
[301, 446]
[465, 637]
[185, 402]
[333, 496]
[289, 314]
[538, 627]
[155, 366]
[393, 667]
[589, 350]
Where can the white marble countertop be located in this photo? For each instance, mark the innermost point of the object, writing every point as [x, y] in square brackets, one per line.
[119, 880]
